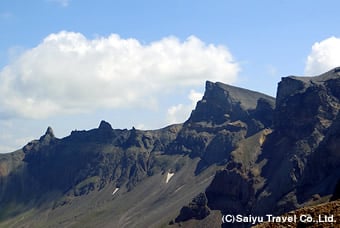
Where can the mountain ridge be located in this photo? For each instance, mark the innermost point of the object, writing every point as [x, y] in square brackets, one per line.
[240, 151]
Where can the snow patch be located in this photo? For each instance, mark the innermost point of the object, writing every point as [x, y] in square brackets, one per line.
[168, 177]
[115, 191]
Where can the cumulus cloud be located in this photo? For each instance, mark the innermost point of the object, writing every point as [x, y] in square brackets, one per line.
[68, 73]
[179, 113]
[324, 56]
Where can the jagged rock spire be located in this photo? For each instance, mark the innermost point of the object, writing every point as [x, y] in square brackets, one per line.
[105, 125]
[48, 136]
[49, 132]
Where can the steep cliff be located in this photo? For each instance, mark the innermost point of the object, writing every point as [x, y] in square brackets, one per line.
[284, 167]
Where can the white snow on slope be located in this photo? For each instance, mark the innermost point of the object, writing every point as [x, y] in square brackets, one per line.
[115, 191]
[168, 177]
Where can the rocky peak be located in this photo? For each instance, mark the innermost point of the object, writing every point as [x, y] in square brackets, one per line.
[49, 132]
[44, 140]
[292, 85]
[307, 103]
[222, 102]
[225, 116]
[47, 137]
[105, 125]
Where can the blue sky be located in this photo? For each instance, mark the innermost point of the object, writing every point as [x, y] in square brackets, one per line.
[70, 63]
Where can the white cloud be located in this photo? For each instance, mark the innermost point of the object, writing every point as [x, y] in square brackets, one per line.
[324, 56]
[68, 73]
[179, 113]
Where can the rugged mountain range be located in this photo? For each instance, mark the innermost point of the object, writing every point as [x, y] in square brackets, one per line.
[240, 152]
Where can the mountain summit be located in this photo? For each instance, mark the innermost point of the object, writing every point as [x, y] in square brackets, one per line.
[240, 152]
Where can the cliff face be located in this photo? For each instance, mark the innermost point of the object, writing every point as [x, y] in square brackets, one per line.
[225, 116]
[298, 152]
[238, 153]
[282, 168]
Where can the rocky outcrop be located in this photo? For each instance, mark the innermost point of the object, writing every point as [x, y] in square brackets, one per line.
[299, 161]
[296, 160]
[197, 209]
[223, 104]
[225, 116]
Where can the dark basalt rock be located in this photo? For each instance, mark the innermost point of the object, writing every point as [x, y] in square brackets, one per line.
[230, 192]
[298, 160]
[105, 126]
[224, 103]
[336, 193]
[197, 209]
[225, 115]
